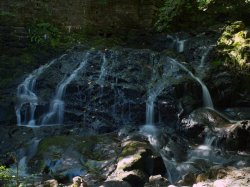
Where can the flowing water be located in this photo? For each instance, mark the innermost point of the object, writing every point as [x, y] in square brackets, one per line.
[207, 100]
[103, 71]
[205, 55]
[56, 111]
[26, 95]
[180, 45]
[152, 95]
[174, 170]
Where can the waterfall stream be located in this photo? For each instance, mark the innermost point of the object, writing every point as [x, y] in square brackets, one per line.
[207, 100]
[56, 111]
[103, 71]
[180, 45]
[150, 102]
[205, 55]
[26, 94]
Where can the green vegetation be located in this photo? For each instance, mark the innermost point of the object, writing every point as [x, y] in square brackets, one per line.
[234, 45]
[5, 174]
[176, 14]
[193, 14]
[133, 148]
[44, 34]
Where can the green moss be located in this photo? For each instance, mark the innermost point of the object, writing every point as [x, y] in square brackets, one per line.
[132, 148]
[59, 141]
[87, 146]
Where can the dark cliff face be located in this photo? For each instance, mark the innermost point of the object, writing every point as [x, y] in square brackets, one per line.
[96, 16]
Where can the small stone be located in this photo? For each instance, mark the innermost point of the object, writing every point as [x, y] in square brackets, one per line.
[201, 178]
[51, 183]
[79, 182]
[157, 181]
[188, 179]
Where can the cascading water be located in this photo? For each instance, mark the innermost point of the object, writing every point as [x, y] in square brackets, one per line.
[153, 93]
[207, 100]
[26, 94]
[56, 111]
[151, 132]
[205, 55]
[174, 170]
[180, 45]
[103, 71]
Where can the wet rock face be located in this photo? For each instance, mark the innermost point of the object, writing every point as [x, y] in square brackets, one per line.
[199, 122]
[113, 87]
[229, 134]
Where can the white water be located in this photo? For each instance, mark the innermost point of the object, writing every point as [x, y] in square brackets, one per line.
[56, 111]
[26, 94]
[180, 45]
[103, 71]
[207, 100]
[152, 95]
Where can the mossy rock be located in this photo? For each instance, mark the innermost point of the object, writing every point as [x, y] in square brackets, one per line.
[132, 147]
[90, 154]
[134, 155]
[91, 147]
[57, 141]
[99, 147]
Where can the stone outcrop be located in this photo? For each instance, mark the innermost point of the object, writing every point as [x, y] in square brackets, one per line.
[237, 136]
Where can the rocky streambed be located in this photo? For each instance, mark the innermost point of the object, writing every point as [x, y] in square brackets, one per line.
[130, 117]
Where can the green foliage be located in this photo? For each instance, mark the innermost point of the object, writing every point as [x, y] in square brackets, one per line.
[44, 33]
[5, 174]
[203, 4]
[233, 45]
[228, 10]
[6, 13]
[104, 2]
[176, 13]
[190, 14]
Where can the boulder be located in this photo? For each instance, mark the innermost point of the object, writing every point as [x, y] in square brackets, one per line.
[201, 120]
[134, 155]
[136, 178]
[237, 136]
[65, 157]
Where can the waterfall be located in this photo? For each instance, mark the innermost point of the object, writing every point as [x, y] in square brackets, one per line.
[153, 93]
[103, 71]
[207, 100]
[177, 44]
[205, 54]
[26, 94]
[180, 45]
[56, 111]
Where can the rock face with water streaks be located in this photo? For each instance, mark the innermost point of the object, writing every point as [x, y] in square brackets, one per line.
[109, 90]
